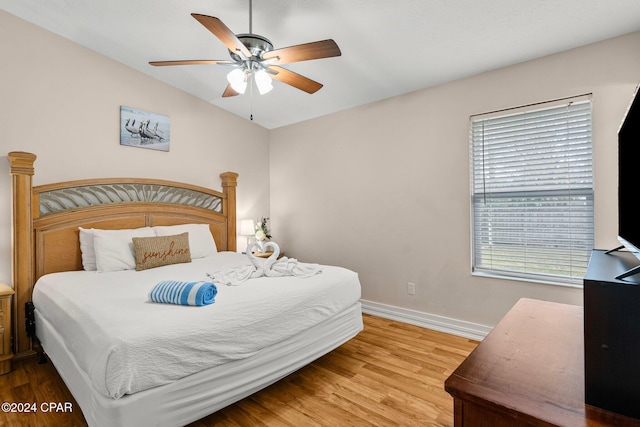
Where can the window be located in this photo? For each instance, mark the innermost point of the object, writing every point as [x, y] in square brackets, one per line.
[532, 192]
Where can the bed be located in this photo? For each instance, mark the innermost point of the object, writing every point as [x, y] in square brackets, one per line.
[128, 361]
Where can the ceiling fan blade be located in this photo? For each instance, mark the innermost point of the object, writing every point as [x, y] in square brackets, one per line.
[304, 52]
[190, 62]
[229, 92]
[222, 32]
[294, 79]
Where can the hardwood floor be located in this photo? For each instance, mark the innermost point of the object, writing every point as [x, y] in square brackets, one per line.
[391, 374]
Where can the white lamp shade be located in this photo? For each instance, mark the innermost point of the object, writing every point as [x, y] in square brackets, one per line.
[238, 80]
[246, 227]
[263, 81]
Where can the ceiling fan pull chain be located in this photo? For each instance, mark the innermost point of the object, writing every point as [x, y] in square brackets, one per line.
[251, 101]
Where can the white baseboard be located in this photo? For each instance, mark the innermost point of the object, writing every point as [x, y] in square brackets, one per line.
[430, 321]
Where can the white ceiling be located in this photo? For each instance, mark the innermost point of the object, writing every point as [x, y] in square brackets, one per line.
[389, 47]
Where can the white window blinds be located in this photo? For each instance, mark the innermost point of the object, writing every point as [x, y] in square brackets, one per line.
[532, 192]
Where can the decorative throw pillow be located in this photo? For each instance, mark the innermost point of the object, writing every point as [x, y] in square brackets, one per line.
[161, 250]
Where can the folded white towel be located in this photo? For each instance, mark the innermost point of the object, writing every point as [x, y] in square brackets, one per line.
[233, 276]
[265, 267]
[291, 267]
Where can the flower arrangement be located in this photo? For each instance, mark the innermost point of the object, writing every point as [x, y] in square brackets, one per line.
[262, 230]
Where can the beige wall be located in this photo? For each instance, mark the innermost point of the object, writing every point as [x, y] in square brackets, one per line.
[384, 188]
[62, 102]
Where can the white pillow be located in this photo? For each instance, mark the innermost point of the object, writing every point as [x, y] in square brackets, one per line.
[114, 248]
[201, 243]
[87, 250]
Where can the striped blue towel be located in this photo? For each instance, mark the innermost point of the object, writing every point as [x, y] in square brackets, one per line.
[184, 293]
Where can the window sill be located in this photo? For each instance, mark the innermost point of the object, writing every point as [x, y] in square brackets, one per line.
[526, 279]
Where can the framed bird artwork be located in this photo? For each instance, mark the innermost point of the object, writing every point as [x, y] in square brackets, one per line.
[144, 129]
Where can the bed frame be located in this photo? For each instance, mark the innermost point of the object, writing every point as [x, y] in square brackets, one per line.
[45, 221]
[45, 236]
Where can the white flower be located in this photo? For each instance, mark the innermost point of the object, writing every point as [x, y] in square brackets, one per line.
[260, 235]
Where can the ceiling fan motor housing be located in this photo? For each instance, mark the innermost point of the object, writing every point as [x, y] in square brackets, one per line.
[256, 44]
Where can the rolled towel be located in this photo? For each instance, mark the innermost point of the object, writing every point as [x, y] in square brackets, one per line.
[184, 293]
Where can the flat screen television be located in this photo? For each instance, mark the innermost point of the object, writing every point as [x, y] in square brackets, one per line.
[628, 175]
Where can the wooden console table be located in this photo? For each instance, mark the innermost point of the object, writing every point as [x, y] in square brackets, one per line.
[529, 371]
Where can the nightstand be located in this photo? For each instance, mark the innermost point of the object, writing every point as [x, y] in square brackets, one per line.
[5, 328]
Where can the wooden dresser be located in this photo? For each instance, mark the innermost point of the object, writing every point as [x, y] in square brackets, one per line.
[529, 371]
[6, 353]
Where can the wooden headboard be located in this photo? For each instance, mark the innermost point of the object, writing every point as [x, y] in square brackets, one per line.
[45, 221]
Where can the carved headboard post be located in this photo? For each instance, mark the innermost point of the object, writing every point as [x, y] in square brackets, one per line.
[21, 171]
[229, 184]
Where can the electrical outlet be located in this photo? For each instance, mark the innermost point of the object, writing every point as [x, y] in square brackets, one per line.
[411, 288]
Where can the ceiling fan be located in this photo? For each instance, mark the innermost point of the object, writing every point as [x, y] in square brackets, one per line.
[253, 56]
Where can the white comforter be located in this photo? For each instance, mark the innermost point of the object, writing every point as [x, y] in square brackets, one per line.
[126, 344]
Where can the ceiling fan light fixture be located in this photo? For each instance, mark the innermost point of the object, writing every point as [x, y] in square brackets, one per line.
[263, 81]
[238, 80]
